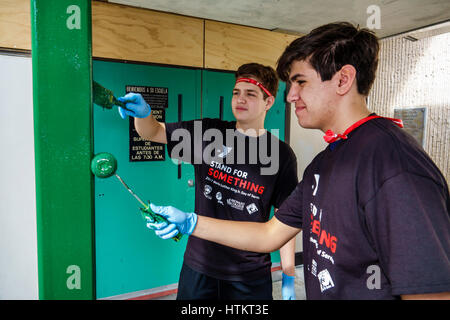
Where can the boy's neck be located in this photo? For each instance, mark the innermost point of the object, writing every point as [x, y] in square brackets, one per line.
[349, 114]
[251, 129]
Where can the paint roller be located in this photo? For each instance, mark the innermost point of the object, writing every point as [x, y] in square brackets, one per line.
[104, 165]
[104, 97]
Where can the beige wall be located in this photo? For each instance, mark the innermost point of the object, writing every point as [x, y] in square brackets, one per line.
[417, 74]
[306, 143]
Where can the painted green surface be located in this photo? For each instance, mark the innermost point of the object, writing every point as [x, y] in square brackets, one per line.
[129, 257]
[216, 84]
[61, 54]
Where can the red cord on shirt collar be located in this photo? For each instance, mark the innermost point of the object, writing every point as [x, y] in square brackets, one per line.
[331, 137]
[255, 83]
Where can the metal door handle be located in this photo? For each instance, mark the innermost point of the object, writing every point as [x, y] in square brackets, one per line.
[190, 183]
[221, 108]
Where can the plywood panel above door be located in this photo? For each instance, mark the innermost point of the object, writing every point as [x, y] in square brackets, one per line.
[228, 46]
[15, 27]
[135, 34]
[127, 33]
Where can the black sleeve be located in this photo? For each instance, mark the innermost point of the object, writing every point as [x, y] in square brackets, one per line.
[290, 212]
[408, 220]
[287, 180]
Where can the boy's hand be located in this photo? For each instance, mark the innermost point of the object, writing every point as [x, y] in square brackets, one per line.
[179, 221]
[288, 287]
[136, 104]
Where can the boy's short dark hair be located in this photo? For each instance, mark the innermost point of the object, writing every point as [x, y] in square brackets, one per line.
[266, 75]
[329, 47]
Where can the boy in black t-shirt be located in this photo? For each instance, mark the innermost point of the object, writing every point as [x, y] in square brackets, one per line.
[241, 171]
[373, 207]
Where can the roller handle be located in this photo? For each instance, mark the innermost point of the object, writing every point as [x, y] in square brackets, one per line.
[154, 217]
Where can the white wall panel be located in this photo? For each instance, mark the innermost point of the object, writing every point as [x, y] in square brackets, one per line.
[18, 244]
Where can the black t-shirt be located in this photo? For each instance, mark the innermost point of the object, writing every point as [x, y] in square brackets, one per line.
[237, 177]
[374, 210]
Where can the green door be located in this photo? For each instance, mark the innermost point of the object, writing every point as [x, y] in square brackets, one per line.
[216, 97]
[129, 257]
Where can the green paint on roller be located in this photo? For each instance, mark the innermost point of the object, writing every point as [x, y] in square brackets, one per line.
[104, 165]
[105, 97]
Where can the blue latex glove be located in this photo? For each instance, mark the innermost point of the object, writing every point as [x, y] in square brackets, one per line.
[179, 221]
[136, 104]
[288, 287]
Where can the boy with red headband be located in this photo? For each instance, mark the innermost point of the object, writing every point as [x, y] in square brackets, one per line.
[373, 207]
[233, 182]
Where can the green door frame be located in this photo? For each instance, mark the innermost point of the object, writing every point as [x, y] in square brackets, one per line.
[62, 104]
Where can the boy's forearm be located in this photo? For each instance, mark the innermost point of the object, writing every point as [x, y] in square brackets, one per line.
[287, 256]
[149, 128]
[237, 234]
[248, 236]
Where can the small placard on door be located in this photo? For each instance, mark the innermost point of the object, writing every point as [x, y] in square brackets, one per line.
[140, 149]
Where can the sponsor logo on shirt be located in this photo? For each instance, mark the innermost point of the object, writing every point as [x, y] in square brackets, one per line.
[219, 197]
[235, 204]
[325, 280]
[314, 268]
[251, 208]
[207, 191]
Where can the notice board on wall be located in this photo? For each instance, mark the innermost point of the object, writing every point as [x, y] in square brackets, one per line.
[413, 121]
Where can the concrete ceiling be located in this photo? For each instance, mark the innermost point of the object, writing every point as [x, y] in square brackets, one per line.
[301, 16]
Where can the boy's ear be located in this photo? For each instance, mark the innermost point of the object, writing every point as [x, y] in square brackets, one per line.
[346, 79]
[269, 102]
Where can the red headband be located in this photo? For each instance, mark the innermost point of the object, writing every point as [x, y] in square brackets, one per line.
[255, 83]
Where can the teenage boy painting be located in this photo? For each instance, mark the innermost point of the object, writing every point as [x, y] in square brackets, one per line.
[241, 172]
[373, 207]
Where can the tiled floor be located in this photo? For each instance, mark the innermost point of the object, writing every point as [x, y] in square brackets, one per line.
[276, 277]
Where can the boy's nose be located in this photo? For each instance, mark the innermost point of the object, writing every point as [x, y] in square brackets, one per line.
[292, 95]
